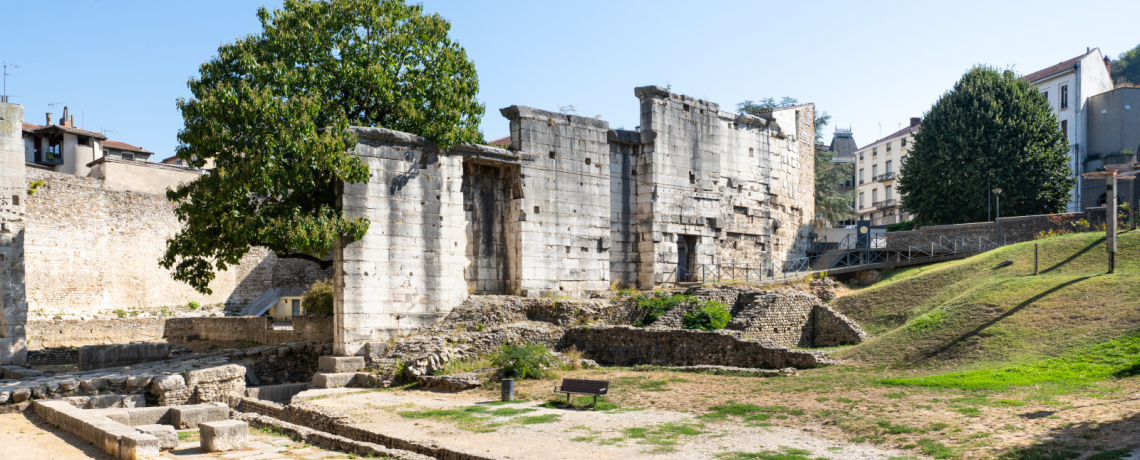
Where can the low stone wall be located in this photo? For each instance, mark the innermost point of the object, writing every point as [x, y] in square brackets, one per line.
[258, 329]
[53, 357]
[625, 346]
[74, 333]
[123, 354]
[335, 429]
[833, 329]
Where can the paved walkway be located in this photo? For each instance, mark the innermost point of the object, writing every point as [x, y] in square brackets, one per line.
[26, 437]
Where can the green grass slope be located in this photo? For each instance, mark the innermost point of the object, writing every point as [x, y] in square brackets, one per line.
[969, 313]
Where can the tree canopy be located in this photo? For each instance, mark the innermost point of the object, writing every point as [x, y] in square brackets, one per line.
[834, 205]
[1126, 67]
[270, 115]
[993, 129]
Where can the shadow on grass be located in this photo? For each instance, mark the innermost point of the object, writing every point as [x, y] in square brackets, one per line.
[1113, 440]
[1098, 242]
[950, 345]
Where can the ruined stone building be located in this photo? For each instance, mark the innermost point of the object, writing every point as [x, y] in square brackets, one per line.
[570, 208]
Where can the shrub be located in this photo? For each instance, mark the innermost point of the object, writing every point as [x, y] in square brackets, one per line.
[656, 305]
[193, 306]
[525, 361]
[319, 299]
[709, 315]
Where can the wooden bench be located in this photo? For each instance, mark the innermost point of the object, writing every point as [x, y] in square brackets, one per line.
[593, 388]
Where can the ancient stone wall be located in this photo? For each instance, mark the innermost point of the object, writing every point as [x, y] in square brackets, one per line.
[625, 147]
[625, 346]
[69, 333]
[726, 188]
[13, 198]
[563, 225]
[90, 249]
[408, 270]
[257, 329]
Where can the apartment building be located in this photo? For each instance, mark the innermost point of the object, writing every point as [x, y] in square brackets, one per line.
[877, 168]
[1068, 85]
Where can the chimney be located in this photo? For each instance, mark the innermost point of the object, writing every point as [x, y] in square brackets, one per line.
[48, 119]
[71, 121]
[914, 121]
[66, 115]
[1108, 64]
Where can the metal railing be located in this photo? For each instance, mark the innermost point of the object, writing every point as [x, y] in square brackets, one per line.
[846, 253]
[885, 203]
[269, 298]
[889, 175]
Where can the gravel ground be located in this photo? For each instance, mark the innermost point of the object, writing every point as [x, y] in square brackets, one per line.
[579, 434]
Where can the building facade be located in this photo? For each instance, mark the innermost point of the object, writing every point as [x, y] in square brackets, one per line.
[1068, 85]
[843, 147]
[1114, 138]
[877, 169]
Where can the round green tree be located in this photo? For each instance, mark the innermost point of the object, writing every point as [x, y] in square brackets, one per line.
[270, 114]
[992, 130]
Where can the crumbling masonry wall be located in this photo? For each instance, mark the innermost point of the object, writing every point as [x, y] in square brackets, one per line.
[724, 188]
[571, 207]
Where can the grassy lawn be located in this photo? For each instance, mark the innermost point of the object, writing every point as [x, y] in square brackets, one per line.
[966, 360]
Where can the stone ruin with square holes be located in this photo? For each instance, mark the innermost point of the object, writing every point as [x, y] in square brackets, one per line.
[569, 209]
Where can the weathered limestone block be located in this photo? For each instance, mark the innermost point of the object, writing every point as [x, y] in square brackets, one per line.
[189, 417]
[167, 437]
[454, 382]
[224, 436]
[139, 446]
[339, 364]
[149, 416]
[104, 401]
[331, 380]
[117, 415]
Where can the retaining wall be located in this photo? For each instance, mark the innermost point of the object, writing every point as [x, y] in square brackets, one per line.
[73, 333]
[253, 328]
[627, 346]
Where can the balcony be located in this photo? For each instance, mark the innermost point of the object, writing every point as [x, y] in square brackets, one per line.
[889, 175]
[884, 204]
[50, 159]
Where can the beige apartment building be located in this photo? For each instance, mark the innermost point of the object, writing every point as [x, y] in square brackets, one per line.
[877, 168]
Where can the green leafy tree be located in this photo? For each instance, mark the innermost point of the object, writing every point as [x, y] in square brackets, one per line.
[829, 201]
[1126, 67]
[992, 130]
[270, 113]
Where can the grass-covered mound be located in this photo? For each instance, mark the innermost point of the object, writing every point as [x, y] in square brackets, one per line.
[968, 312]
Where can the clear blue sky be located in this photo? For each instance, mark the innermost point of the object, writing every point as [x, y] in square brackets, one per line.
[120, 65]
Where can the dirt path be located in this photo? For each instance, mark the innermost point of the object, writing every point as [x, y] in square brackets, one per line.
[24, 437]
[527, 430]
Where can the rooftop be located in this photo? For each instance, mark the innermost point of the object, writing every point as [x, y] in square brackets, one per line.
[501, 142]
[116, 145]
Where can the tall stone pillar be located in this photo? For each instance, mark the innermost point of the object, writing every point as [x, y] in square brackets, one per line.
[13, 194]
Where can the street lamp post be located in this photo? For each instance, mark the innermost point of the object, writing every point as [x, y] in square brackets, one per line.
[997, 222]
[1112, 175]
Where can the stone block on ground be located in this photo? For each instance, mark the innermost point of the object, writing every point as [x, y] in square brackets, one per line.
[139, 446]
[276, 393]
[340, 364]
[104, 402]
[167, 437]
[187, 417]
[454, 382]
[118, 415]
[223, 436]
[149, 416]
[333, 380]
[374, 352]
[132, 401]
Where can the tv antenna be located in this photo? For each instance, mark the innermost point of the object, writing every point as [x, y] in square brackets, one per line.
[53, 104]
[107, 131]
[6, 74]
